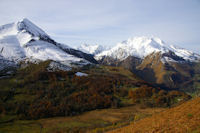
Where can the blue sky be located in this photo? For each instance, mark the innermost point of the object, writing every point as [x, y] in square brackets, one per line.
[108, 22]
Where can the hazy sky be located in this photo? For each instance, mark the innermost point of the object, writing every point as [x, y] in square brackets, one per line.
[107, 22]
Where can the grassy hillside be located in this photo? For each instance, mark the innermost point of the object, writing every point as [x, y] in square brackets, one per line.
[181, 119]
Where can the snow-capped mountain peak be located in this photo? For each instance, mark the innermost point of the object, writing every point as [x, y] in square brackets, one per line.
[27, 26]
[21, 27]
[142, 46]
[137, 46]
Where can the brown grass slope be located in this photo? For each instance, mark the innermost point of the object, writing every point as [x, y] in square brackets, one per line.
[181, 119]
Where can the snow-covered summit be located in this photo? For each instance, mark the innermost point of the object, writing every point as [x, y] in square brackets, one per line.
[27, 26]
[23, 26]
[142, 46]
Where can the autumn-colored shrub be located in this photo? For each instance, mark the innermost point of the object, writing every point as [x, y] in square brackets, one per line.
[150, 96]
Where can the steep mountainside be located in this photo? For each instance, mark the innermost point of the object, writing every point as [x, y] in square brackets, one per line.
[24, 41]
[172, 74]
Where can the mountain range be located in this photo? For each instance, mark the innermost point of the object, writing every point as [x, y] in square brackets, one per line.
[44, 84]
[150, 58]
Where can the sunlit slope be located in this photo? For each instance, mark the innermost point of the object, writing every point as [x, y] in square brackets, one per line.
[181, 119]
